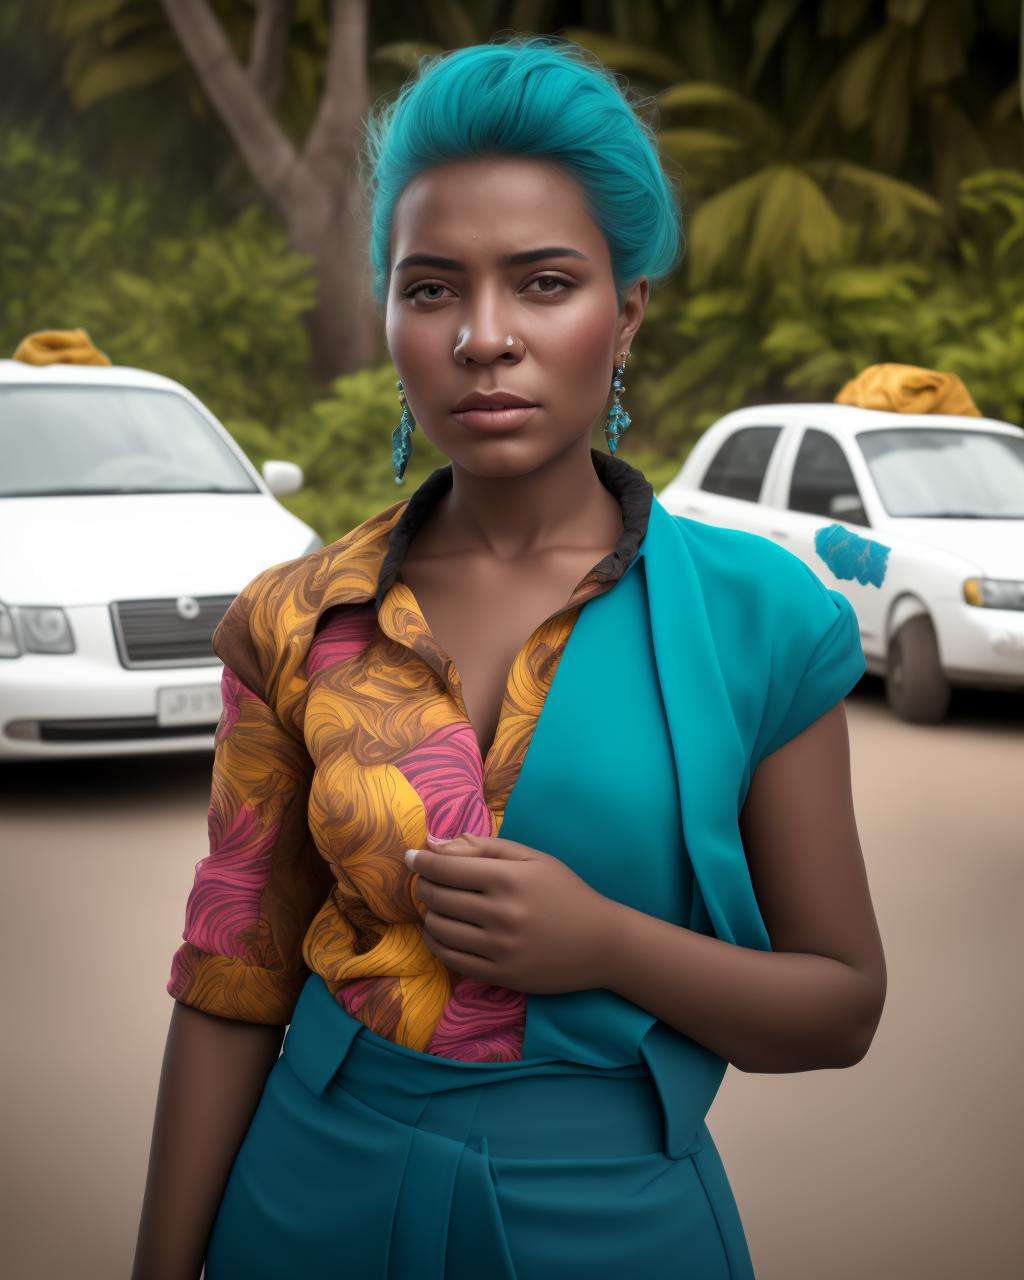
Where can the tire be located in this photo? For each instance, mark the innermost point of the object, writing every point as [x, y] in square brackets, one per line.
[916, 687]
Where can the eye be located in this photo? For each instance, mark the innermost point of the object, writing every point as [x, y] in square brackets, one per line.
[427, 284]
[566, 284]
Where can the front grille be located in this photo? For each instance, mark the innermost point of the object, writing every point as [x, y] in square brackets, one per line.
[132, 729]
[152, 633]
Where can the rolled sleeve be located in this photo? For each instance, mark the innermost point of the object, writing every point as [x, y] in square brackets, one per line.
[807, 684]
[258, 888]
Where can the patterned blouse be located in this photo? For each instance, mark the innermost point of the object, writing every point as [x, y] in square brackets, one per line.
[344, 739]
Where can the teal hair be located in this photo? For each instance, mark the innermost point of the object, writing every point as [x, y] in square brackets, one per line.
[532, 96]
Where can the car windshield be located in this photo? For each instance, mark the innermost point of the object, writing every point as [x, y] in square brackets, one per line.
[74, 439]
[947, 472]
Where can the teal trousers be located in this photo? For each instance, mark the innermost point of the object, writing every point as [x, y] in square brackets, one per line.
[366, 1160]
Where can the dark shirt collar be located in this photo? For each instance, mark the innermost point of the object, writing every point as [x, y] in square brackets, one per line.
[627, 483]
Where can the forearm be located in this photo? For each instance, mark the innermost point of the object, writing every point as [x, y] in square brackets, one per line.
[763, 1011]
[214, 1072]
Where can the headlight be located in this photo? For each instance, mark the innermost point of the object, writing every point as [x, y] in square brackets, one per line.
[994, 593]
[9, 647]
[43, 628]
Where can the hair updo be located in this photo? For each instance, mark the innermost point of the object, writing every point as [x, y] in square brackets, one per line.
[529, 96]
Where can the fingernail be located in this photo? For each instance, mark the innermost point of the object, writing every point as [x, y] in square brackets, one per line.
[444, 841]
[410, 856]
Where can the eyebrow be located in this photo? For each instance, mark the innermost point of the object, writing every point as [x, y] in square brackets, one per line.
[508, 260]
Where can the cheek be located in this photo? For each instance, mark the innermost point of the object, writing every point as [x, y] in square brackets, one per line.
[414, 344]
[575, 350]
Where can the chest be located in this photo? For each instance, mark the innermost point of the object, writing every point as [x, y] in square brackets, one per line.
[599, 787]
[482, 620]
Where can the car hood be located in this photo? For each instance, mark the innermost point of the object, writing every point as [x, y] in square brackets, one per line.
[97, 548]
[995, 546]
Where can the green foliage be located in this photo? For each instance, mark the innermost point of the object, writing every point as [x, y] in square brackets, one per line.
[113, 46]
[852, 184]
[802, 335]
[56, 228]
[217, 307]
[220, 311]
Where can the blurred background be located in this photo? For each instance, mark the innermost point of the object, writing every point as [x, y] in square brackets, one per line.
[852, 174]
[853, 180]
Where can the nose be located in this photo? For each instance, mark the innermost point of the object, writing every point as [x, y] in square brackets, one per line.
[488, 336]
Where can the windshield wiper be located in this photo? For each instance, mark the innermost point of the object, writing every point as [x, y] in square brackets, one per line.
[76, 493]
[962, 515]
[63, 493]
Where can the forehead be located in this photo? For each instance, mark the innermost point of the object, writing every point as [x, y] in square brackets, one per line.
[480, 208]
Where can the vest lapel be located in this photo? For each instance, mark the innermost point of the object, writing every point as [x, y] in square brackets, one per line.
[711, 759]
[707, 762]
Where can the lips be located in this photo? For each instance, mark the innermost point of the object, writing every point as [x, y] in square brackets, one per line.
[492, 421]
[493, 400]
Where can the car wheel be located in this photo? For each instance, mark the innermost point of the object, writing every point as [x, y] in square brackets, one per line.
[915, 685]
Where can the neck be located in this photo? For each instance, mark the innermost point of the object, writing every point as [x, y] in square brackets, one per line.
[561, 503]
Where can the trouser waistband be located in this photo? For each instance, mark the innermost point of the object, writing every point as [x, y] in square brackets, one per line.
[530, 1107]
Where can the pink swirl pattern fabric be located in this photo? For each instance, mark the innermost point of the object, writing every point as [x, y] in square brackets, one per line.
[344, 739]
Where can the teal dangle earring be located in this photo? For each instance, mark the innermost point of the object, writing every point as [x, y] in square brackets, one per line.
[401, 437]
[618, 419]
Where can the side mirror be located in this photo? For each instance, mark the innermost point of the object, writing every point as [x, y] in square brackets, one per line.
[282, 477]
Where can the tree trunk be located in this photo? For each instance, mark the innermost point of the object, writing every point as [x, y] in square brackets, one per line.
[317, 192]
[341, 340]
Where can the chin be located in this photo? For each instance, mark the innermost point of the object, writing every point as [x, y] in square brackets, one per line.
[509, 455]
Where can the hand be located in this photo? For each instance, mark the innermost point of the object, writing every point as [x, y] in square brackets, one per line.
[506, 914]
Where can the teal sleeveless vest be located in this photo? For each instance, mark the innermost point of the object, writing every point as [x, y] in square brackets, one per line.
[714, 648]
[641, 758]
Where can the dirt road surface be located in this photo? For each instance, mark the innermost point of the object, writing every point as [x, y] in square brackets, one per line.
[905, 1167]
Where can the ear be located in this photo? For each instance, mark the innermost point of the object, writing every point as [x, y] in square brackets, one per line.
[631, 317]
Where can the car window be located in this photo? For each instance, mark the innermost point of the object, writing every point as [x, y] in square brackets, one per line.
[947, 472]
[737, 470]
[76, 439]
[822, 482]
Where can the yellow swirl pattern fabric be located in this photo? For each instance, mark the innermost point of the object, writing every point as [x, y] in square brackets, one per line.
[344, 739]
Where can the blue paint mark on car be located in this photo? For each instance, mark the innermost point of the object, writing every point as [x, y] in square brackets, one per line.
[849, 555]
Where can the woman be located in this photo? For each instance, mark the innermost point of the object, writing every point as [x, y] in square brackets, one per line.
[501, 1050]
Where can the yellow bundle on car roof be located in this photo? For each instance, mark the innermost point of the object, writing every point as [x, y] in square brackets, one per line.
[59, 346]
[908, 388]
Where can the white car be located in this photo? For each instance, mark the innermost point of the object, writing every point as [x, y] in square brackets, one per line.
[129, 520]
[917, 518]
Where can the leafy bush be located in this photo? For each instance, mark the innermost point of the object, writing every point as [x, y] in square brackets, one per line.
[802, 336]
[217, 307]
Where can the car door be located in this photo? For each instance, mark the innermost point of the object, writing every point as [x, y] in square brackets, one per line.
[816, 487]
[725, 488]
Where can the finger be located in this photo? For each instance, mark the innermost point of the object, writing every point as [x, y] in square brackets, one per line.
[460, 873]
[459, 904]
[460, 962]
[458, 935]
[482, 846]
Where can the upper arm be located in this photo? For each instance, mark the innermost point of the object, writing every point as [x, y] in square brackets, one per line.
[256, 891]
[803, 849]
[798, 823]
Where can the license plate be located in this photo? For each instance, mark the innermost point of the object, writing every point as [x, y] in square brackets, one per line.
[189, 704]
